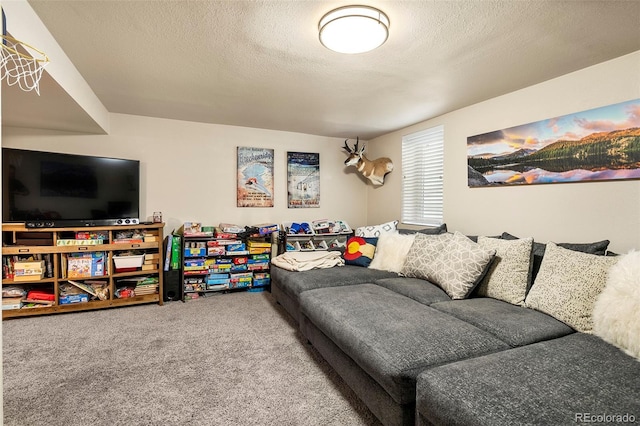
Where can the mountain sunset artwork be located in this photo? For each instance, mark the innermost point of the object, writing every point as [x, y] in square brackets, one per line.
[594, 145]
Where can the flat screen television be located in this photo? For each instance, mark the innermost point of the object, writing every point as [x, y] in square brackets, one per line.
[46, 189]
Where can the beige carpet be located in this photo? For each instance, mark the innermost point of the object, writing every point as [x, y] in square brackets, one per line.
[229, 359]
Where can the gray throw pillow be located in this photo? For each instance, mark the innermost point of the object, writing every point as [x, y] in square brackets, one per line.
[459, 266]
[508, 276]
[423, 251]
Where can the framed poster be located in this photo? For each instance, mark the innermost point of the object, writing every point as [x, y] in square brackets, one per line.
[255, 177]
[303, 179]
[593, 145]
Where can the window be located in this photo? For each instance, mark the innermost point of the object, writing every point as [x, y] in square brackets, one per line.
[422, 168]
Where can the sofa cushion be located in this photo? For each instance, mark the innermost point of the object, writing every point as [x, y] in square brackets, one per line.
[373, 231]
[419, 290]
[427, 231]
[514, 325]
[509, 274]
[293, 283]
[392, 337]
[616, 313]
[359, 251]
[568, 284]
[391, 251]
[548, 383]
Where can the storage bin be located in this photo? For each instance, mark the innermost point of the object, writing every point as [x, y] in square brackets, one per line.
[128, 263]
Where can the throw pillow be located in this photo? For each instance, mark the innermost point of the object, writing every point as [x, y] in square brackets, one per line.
[615, 313]
[359, 251]
[423, 251]
[459, 266]
[568, 284]
[391, 252]
[377, 230]
[598, 247]
[428, 231]
[508, 276]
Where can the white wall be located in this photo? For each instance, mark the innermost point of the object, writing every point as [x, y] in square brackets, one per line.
[575, 212]
[188, 170]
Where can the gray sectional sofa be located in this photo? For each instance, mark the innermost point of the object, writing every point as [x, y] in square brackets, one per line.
[415, 356]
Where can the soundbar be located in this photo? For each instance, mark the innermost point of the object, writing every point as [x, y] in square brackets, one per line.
[81, 223]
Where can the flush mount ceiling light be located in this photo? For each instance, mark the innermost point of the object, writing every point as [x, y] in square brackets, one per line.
[354, 29]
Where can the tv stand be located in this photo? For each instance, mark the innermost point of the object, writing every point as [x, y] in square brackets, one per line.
[54, 246]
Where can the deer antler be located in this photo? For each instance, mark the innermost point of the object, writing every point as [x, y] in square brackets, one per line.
[355, 148]
[346, 147]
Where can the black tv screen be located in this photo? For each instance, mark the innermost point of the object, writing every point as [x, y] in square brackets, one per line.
[63, 188]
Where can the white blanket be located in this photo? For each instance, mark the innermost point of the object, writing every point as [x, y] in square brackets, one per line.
[305, 260]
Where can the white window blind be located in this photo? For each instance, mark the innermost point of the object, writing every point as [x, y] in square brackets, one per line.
[422, 171]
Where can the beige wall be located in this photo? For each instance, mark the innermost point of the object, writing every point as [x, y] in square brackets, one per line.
[576, 212]
[188, 169]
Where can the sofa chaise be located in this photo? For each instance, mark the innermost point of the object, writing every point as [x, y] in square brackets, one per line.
[416, 352]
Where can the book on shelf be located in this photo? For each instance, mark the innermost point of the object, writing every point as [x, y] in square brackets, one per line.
[258, 243]
[84, 287]
[128, 241]
[167, 252]
[231, 228]
[81, 242]
[176, 252]
[11, 300]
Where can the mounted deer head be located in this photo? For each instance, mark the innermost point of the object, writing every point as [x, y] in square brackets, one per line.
[374, 170]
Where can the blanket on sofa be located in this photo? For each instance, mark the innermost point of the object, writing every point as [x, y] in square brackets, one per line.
[306, 260]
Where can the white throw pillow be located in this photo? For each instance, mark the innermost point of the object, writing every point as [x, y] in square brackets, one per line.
[377, 230]
[568, 284]
[616, 313]
[391, 252]
[508, 276]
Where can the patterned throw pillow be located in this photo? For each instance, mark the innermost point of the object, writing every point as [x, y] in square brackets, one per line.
[598, 247]
[423, 251]
[391, 252]
[359, 251]
[508, 276]
[568, 284]
[460, 266]
[377, 230]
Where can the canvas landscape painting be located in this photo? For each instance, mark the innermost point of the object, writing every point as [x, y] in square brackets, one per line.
[594, 145]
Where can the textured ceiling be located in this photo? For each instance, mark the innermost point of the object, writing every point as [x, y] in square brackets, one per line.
[260, 64]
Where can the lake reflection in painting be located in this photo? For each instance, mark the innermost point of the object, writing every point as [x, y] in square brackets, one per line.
[599, 144]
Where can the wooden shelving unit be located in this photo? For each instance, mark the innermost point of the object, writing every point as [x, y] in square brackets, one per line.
[197, 280]
[45, 243]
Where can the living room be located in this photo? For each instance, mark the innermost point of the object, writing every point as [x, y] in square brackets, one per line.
[188, 168]
[201, 152]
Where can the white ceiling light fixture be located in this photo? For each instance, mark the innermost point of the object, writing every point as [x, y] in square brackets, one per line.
[354, 29]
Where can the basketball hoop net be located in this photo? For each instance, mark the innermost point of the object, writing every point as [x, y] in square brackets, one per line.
[20, 68]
